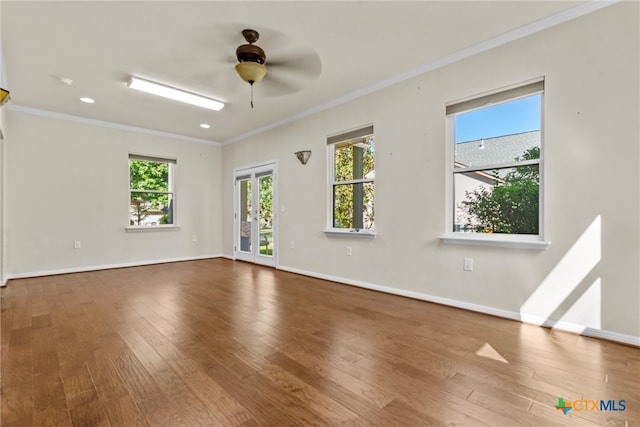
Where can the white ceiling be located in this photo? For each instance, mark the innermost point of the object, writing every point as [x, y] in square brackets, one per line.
[191, 45]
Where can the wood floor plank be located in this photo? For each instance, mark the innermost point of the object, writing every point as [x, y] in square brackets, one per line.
[223, 343]
[218, 401]
[307, 397]
[123, 412]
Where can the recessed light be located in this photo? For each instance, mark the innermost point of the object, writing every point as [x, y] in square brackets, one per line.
[205, 126]
[87, 100]
[175, 94]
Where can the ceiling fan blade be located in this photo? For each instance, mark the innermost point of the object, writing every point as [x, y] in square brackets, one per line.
[207, 41]
[298, 63]
[223, 81]
[274, 85]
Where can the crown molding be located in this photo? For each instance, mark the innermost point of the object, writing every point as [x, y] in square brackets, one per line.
[509, 36]
[102, 123]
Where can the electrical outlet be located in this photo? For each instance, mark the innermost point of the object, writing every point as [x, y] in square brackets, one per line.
[194, 238]
[349, 251]
[468, 264]
[77, 244]
[292, 244]
[282, 209]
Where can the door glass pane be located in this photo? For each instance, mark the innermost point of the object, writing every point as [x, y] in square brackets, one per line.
[244, 187]
[265, 185]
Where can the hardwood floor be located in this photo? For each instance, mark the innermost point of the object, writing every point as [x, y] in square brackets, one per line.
[217, 342]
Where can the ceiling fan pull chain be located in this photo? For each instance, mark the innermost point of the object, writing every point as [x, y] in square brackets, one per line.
[252, 95]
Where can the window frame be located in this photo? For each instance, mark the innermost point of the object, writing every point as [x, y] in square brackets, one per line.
[477, 102]
[332, 142]
[172, 167]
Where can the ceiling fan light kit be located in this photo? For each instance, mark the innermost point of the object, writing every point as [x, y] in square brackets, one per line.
[251, 72]
[174, 94]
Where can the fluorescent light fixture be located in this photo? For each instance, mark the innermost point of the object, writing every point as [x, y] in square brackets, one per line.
[87, 100]
[175, 94]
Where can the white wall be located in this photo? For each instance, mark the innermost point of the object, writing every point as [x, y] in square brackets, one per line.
[588, 277]
[68, 181]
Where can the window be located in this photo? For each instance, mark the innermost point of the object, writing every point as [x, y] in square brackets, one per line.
[151, 191]
[497, 145]
[352, 178]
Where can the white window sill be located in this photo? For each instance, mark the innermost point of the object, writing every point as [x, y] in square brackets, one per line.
[344, 232]
[140, 228]
[495, 240]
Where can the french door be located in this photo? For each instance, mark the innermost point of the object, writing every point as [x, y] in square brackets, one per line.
[255, 221]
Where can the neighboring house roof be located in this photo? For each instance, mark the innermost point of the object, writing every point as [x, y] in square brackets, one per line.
[495, 150]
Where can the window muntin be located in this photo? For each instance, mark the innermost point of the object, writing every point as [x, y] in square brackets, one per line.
[352, 179]
[151, 191]
[496, 162]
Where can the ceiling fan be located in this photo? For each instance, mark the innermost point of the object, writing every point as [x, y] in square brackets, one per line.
[252, 64]
[204, 55]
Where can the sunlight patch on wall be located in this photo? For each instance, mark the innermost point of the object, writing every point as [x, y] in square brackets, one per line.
[565, 277]
[586, 311]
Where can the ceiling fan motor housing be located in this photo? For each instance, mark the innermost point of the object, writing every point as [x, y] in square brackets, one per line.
[250, 53]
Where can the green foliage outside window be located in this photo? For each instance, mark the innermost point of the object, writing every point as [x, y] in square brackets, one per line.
[353, 203]
[511, 205]
[266, 202]
[154, 176]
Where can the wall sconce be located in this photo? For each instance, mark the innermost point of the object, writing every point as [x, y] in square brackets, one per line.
[4, 96]
[303, 156]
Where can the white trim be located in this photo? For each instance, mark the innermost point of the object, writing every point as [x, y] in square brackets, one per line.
[111, 125]
[509, 36]
[105, 267]
[507, 314]
[560, 325]
[501, 240]
[347, 232]
[491, 166]
[139, 228]
[253, 173]
[479, 239]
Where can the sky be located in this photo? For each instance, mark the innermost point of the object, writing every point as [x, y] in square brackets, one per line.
[511, 117]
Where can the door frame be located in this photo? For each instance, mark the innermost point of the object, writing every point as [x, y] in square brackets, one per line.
[254, 256]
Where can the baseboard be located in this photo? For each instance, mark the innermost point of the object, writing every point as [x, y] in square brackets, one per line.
[512, 315]
[560, 325]
[104, 267]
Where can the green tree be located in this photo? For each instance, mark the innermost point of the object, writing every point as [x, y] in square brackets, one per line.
[511, 206]
[266, 201]
[349, 211]
[148, 175]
